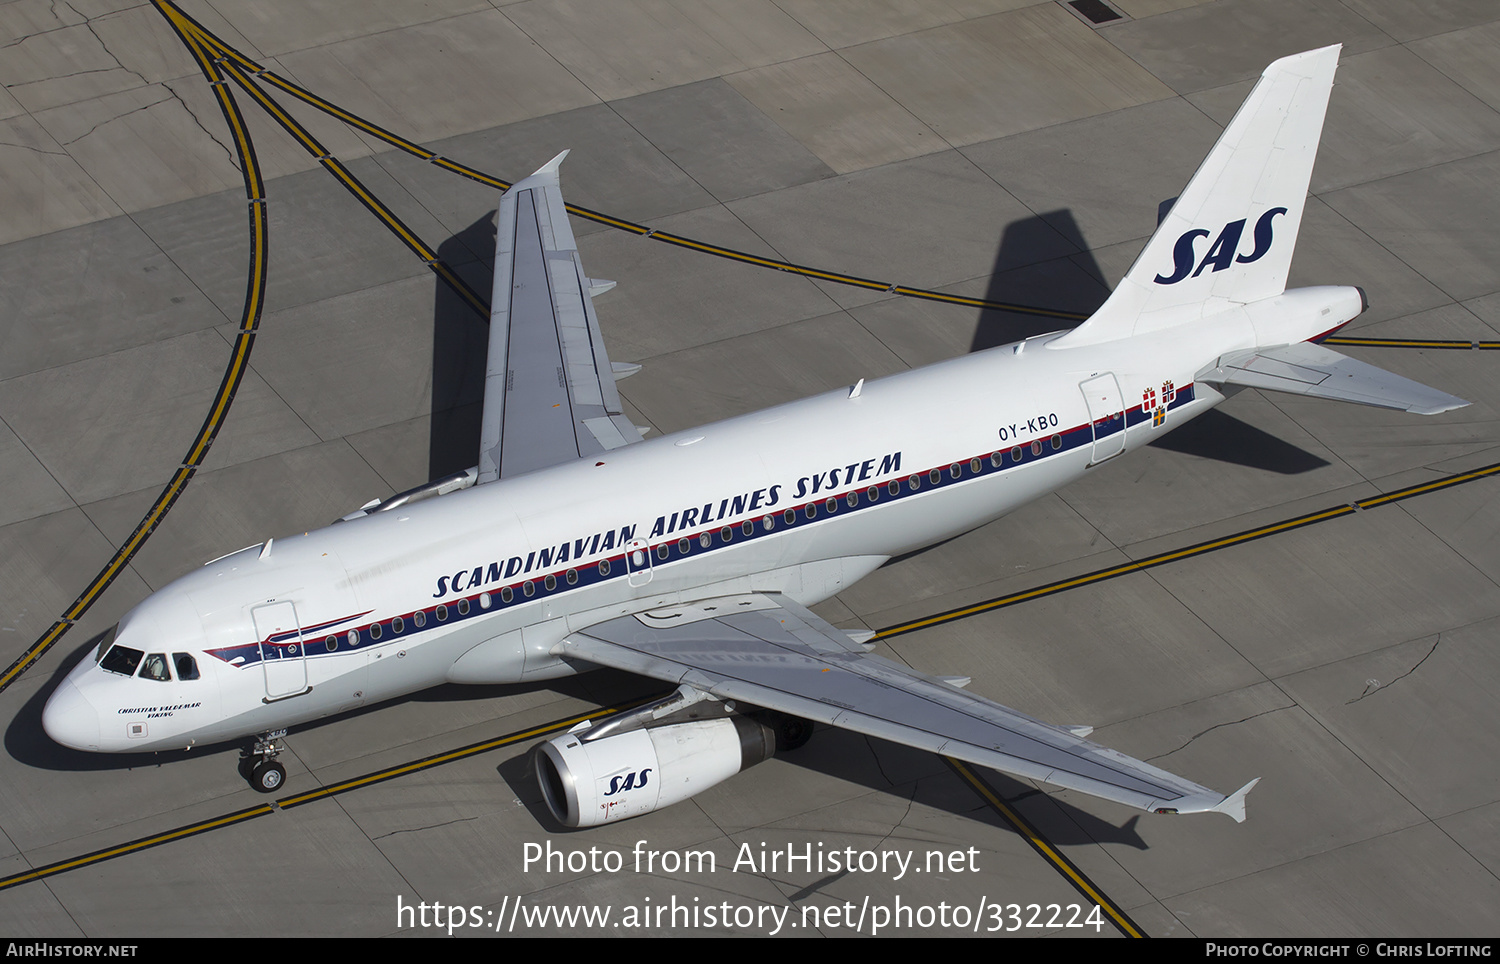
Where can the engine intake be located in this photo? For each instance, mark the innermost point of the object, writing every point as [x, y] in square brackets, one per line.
[590, 783]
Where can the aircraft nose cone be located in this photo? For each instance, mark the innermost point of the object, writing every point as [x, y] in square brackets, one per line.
[70, 719]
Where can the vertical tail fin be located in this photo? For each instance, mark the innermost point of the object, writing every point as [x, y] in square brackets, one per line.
[1228, 239]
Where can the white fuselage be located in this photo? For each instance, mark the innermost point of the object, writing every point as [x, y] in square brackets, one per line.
[480, 585]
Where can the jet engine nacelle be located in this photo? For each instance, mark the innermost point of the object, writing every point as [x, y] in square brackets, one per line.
[636, 772]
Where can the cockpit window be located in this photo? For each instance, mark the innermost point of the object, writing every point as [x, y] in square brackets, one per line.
[122, 660]
[107, 641]
[187, 667]
[155, 667]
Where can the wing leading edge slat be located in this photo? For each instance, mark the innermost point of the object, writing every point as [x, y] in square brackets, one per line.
[549, 394]
[771, 652]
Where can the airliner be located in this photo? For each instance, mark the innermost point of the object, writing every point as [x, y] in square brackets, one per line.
[693, 558]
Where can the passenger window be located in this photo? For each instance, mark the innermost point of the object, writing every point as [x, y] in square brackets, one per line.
[550, 582]
[441, 612]
[155, 667]
[187, 667]
[122, 660]
[506, 594]
[789, 516]
[463, 608]
[852, 498]
[725, 534]
[747, 527]
[398, 624]
[893, 487]
[683, 546]
[572, 577]
[420, 618]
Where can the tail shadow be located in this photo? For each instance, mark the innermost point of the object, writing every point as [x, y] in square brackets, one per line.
[1070, 285]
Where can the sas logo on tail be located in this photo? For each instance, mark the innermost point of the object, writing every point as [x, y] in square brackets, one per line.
[1222, 253]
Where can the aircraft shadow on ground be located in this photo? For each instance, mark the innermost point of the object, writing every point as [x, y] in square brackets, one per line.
[1220, 436]
[460, 340]
[1072, 283]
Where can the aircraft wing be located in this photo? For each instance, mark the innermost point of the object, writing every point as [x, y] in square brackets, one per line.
[1308, 369]
[769, 651]
[549, 387]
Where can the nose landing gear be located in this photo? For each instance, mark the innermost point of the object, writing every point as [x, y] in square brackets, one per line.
[258, 764]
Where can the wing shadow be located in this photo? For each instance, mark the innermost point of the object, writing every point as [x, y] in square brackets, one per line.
[1221, 437]
[460, 340]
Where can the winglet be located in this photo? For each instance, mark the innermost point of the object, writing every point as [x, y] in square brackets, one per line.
[1234, 804]
[552, 166]
[546, 174]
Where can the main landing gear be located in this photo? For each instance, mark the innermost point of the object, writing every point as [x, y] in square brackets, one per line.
[258, 764]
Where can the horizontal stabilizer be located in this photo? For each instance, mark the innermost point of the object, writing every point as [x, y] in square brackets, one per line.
[1308, 369]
